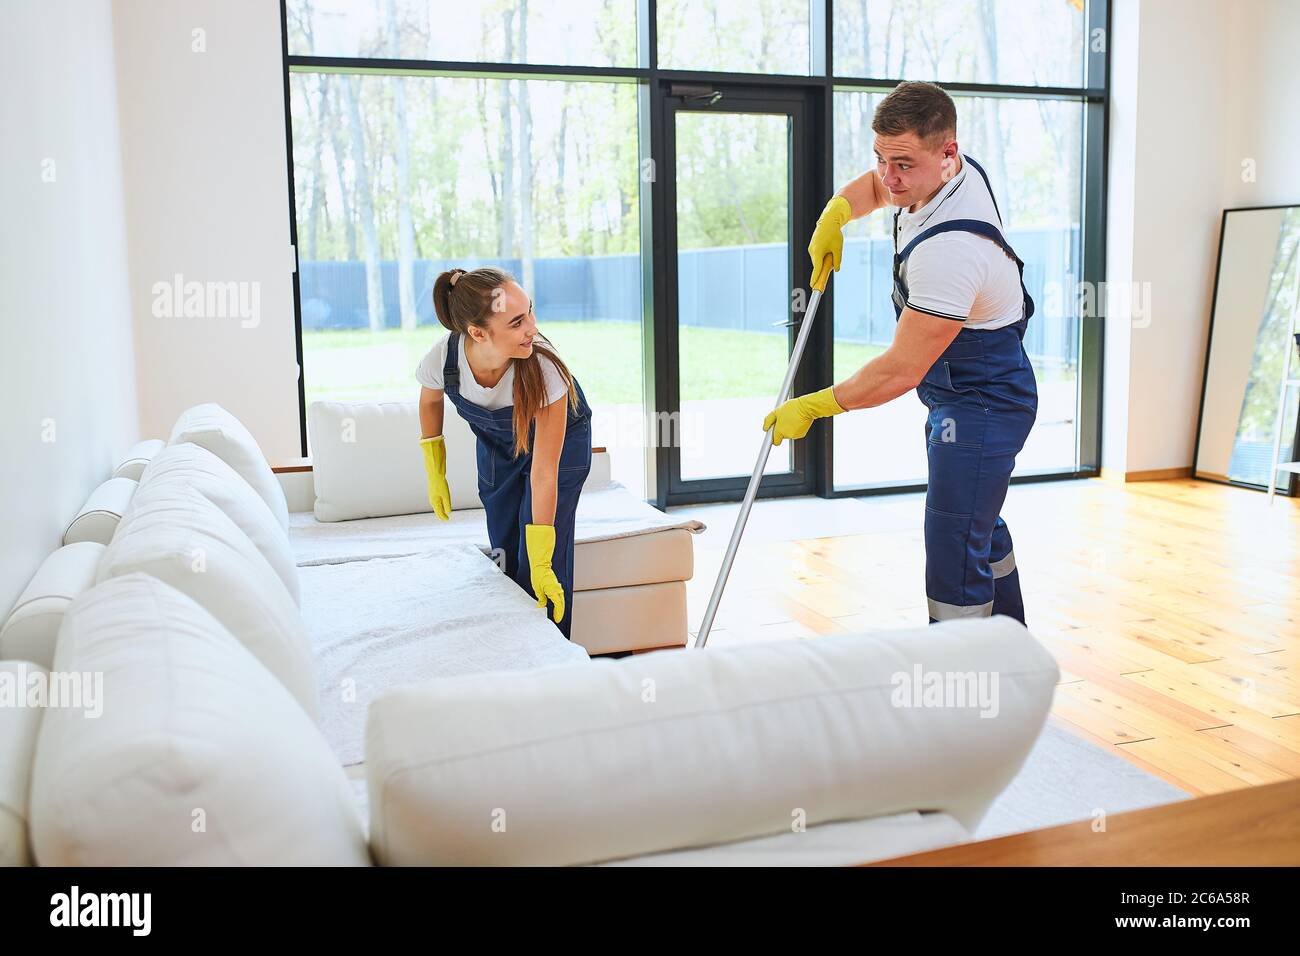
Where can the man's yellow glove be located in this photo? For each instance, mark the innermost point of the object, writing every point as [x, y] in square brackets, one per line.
[869, 194]
[435, 466]
[795, 417]
[540, 539]
[828, 240]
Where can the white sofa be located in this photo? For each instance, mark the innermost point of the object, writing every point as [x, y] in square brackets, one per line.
[631, 562]
[202, 747]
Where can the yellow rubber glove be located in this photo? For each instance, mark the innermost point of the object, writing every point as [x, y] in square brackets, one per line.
[540, 539]
[828, 240]
[795, 417]
[435, 466]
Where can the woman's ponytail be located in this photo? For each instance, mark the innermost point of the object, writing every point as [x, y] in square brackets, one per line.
[442, 293]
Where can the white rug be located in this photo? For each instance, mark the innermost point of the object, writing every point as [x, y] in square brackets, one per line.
[1066, 778]
[388, 621]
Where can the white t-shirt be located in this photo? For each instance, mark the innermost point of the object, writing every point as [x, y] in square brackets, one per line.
[960, 275]
[501, 395]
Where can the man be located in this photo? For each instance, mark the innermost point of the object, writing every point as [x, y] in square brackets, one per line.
[962, 309]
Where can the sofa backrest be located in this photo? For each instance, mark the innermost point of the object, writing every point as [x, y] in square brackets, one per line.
[367, 462]
[677, 749]
[177, 535]
[221, 433]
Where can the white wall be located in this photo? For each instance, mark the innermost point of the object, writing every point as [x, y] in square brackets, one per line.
[1263, 124]
[1197, 87]
[66, 360]
[1125, 74]
[207, 198]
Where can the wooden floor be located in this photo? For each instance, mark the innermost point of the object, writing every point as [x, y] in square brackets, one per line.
[1172, 607]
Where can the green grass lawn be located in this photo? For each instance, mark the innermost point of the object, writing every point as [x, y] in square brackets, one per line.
[605, 357]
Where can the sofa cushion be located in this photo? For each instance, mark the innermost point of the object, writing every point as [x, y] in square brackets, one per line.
[20, 719]
[199, 756]
[677, 749]
[194, 466]
[182, 538]
[841, 843]
[32, 628]
[98, 517]
[221, 433]
[366, 460]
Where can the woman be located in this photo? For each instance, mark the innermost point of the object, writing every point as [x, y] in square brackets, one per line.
[531, 419]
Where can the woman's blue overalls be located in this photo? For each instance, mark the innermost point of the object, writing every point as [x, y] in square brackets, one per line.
[504, 486]
[983, 400]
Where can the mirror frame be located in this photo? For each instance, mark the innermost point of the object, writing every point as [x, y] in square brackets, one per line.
[1288, 485]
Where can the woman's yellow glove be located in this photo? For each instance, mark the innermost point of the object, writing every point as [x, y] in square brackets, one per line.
[435, 466]
[540, 539]
[795, 417]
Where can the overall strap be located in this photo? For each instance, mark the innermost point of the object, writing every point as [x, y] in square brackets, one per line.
[977, 226]
[987, 185]
[451, 366]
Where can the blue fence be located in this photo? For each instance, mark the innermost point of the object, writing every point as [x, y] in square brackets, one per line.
[737, 287]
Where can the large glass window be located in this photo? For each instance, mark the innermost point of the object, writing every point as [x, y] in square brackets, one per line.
[616, 163]
[1008, 42]
[400, 178]
[734, 36]
[561, 32]
[733, 183]
[1032, 151]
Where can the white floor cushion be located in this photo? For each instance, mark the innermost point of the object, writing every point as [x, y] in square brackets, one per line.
[199, 757]
[181, 537]
[226, 437]
[189, 464]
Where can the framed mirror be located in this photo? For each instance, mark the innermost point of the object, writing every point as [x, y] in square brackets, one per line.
[1252, 350]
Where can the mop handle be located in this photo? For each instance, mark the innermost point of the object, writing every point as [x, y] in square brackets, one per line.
[752, 491]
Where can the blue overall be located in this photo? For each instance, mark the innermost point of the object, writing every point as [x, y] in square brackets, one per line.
[982, 400]
[505, 489]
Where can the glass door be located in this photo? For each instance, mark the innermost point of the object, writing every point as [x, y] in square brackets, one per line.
[735, 159]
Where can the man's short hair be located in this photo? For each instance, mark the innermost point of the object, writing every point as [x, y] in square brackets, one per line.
[920, 108]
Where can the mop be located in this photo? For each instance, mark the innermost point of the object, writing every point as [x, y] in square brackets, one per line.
[752, 491]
